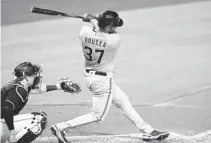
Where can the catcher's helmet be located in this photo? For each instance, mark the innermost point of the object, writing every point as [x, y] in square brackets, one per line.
[109, 18]
[27, 69]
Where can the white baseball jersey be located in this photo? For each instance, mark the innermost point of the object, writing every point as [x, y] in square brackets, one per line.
[99, 49]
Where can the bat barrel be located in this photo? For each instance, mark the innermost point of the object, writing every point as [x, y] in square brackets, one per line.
[32, 9]
[53, 12]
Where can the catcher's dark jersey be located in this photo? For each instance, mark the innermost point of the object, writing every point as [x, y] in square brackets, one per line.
[14, 93]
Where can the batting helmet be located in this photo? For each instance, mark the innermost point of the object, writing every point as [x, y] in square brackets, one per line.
[109, 18]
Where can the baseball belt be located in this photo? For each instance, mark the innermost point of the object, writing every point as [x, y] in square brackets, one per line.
[96, 72]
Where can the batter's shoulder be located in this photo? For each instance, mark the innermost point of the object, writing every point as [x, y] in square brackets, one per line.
[115, 37]
[86, 29]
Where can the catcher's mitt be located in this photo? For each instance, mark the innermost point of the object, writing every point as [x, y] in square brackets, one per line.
[69, 86]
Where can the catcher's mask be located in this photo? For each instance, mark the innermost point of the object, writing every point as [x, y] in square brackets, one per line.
[109, 18]
[27, 69]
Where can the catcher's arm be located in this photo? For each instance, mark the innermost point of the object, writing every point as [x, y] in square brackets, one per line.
[45, 88]
[64, 84]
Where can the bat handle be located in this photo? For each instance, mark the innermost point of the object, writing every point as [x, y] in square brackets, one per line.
[78, 16]
[74, 16]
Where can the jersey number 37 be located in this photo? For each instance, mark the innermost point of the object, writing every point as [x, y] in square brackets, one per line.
[89, 52]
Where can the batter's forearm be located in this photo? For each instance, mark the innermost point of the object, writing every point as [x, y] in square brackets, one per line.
[94, 23]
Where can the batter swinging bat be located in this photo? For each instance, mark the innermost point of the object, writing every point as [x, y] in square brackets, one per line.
[52, 12]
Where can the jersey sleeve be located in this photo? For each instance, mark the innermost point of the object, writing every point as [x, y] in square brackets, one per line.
[115, 39]
[82, 31]
[85, 29]
[17, 96]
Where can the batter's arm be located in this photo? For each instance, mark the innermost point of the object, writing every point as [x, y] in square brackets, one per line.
[94, 23]
[92, 19]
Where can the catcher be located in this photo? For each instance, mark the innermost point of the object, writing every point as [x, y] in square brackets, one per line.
[25, 128]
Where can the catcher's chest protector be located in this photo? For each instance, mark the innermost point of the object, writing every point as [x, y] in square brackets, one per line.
[5, 89]
[8, 87]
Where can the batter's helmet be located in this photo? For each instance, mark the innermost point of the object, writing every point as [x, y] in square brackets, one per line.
[109, 18]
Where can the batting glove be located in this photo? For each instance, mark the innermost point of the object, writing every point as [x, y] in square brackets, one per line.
[88, 17]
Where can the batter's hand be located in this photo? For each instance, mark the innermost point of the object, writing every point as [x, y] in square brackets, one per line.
[69, 86]
[88, 17]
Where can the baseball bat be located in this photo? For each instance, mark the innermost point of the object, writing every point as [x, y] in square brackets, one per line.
[52, 12]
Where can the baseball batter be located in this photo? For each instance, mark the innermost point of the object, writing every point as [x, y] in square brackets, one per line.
[100, 45]
[24, 128]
